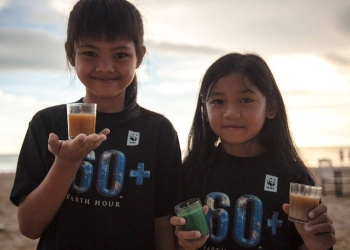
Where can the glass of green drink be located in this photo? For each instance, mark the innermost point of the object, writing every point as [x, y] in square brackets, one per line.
[191, 210]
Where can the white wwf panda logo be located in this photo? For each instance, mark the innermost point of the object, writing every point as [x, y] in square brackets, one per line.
[271, 183]
[133, 138]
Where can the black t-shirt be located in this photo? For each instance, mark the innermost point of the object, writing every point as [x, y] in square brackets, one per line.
[121, 187]
[245, 197]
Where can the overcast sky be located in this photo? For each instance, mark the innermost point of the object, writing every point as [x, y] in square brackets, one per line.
[306, 44]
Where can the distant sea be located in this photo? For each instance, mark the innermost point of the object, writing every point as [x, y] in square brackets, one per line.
[309, 155]
[8, 163]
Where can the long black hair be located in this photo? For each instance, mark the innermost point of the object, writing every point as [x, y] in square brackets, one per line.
[109, 20]
[275, 134]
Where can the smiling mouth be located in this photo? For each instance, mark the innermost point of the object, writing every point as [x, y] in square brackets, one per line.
[105, 80]
[232, 127]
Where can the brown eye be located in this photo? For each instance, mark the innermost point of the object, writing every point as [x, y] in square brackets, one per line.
[217, 101]
[120, 55]
[246, 100]
[89, 53]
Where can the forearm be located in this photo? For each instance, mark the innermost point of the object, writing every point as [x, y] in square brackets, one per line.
[37, 210]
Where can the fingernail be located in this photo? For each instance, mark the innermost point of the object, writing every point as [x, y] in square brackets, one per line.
[311, 215]
[182, 221]
[198, 234]
[307, 228]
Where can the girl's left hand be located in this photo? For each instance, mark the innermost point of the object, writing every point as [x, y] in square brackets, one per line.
[188, 240]
[319, 232]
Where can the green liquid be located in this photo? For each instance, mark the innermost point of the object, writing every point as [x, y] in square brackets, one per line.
[195, 220]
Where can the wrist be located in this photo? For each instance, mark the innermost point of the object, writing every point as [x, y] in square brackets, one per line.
[66, 168]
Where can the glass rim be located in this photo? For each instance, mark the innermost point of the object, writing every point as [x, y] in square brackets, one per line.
[305, 185]
[81, 104]
[191, 202]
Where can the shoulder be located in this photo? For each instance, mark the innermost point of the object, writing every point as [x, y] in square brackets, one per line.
[50, 115]
[150, 113]
[52, 111]
[155, 118]
[50, 120]
[297, 172]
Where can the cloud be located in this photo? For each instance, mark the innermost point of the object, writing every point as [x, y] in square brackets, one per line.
[338, 59]
[330, 126]
[317, 101]
[15, 118]
[31, 14]
[31, 49]
[31, 36]
[3, 3]
[62, 6]
[307, 72]
[344, 19]
[183, 28]
[183, 48]
[265, 26]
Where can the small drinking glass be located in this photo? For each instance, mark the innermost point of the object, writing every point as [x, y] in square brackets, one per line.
[191, 210]
[302, 199]
[81, 118]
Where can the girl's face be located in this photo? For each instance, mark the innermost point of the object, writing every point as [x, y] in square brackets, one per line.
[106, 69]
[236, 111]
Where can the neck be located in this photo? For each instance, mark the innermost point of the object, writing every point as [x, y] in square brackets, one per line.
[244, 150]
[106, 105]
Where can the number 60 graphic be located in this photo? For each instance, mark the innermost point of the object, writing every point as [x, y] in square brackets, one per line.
[221, 217]
[86, 173]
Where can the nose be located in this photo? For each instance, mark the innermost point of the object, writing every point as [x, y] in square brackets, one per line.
[105, 65]
[232, 112]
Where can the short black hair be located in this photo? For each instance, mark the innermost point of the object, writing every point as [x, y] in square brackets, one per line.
[107, 20]
[104, 19]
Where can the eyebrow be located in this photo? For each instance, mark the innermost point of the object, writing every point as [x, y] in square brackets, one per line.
[215, 93]
[121, 47]
[243, 91]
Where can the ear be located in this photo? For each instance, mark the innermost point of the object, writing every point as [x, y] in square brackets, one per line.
[68, 52]
[142, 54]
[271, 112]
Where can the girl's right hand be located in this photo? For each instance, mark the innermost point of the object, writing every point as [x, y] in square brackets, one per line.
[187, 240]
[75, 150]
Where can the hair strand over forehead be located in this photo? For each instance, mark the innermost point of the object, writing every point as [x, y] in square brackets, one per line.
[104, 19]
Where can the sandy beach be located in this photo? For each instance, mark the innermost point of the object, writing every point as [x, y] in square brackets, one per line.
[11, 239]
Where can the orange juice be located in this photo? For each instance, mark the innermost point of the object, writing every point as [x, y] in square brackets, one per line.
[300, 206]
[81, 123]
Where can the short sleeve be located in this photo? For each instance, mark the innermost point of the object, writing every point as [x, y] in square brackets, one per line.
[33, 161]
